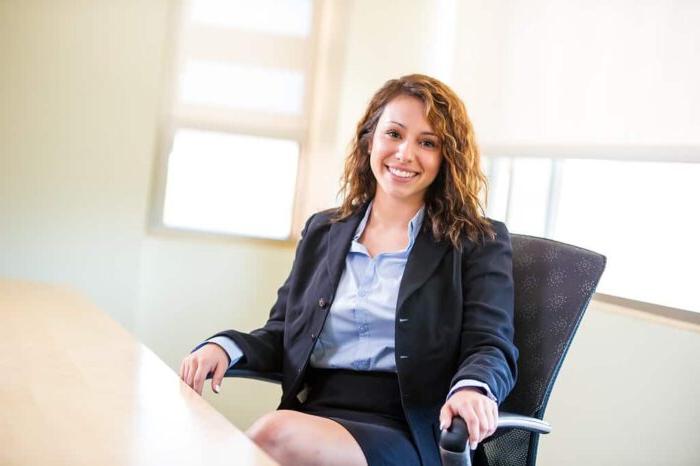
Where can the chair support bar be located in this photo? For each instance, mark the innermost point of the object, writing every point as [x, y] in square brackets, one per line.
[531, 424]
[453, 440]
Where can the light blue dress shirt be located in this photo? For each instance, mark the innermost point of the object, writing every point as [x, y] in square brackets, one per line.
[359, 331]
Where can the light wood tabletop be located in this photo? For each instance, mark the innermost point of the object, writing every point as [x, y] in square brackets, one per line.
[76, 388]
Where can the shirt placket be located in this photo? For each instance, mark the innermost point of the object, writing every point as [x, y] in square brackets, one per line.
[361, 316]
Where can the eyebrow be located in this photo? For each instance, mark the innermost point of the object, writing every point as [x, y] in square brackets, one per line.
[428, 133]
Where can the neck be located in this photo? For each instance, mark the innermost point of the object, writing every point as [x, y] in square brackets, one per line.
[393, 213]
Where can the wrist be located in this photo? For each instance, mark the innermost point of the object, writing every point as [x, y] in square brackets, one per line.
[222, 350]
[478, 390]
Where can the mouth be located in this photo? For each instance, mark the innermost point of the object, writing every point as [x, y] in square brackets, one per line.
[404, 174]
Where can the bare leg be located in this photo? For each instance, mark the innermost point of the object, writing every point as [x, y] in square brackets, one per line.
[294, 438]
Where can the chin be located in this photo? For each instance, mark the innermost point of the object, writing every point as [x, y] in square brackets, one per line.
[402, 195]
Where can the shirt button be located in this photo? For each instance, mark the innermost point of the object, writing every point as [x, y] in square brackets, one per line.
[322, 303]
[313, 335]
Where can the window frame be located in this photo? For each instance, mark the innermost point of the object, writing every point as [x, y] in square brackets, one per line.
[559, 154]
[170, 121]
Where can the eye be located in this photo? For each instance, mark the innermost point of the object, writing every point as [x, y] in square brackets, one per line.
[392, 133]
[429, 144]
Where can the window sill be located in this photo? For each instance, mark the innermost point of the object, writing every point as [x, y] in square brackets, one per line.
[161, 231]
[680, 318]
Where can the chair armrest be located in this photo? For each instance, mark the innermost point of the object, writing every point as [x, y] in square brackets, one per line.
[454, 438]
[273, 377]
[530, 424]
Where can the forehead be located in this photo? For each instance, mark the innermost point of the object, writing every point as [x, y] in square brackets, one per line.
[407, 110]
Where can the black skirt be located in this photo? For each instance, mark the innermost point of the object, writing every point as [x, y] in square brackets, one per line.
[368, 405]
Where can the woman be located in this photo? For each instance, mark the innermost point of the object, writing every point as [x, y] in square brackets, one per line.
[398, 312]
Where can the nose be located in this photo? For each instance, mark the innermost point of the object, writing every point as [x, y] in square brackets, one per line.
[404, 152]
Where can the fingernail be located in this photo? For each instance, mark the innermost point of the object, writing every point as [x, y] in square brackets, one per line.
[442, 425]
[472, 446]
[217, 388]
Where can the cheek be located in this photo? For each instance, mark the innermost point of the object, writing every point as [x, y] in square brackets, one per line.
[375, 162]
[373, 159]
[433, 165]
[374, 149]
[380, 151]
[378, 146]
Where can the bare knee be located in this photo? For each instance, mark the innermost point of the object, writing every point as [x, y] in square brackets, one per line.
[293, 438]
[273, 433]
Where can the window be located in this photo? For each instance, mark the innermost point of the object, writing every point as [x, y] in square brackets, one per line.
[640, 214]
[214, 170]
[237, 117]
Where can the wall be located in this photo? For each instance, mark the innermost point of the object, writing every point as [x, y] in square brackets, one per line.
[79, 93]
[626, 394]
[192, 288]
[79, 102]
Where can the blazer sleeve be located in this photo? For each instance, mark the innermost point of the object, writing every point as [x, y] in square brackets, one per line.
[487, 352]
[262, 348]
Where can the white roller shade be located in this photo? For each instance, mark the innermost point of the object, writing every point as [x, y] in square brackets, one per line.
[582, 73]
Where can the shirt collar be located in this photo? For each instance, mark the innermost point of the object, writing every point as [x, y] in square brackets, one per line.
[414, 225]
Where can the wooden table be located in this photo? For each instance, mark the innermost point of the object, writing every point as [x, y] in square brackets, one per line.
[78, 389]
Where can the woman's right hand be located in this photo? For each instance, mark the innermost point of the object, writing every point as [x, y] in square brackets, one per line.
[208, 359]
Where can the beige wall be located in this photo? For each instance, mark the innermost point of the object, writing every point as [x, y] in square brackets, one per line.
[79, 90]
[80, 84]
[627, 394]
[193, 288]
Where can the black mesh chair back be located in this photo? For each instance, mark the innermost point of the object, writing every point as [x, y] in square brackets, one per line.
[553, 284]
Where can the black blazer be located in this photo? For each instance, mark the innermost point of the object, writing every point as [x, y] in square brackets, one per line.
[457, 306]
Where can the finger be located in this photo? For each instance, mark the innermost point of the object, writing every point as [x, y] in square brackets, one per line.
[218, 378]
[180, 371]
[484, 421]
[199, 378]
[445, 416]
[472, 421]
[492, 412]
[183, 368]
[186, 372]
[191, 371]
[489, 420]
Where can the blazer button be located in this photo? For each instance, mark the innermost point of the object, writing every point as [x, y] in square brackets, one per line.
[322, 303]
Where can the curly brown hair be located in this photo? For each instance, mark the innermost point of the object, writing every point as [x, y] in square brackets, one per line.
[453, 208]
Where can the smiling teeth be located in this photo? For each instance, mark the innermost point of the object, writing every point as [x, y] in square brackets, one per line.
[401, 173]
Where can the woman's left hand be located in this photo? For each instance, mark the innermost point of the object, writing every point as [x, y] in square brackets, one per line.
[478, 411]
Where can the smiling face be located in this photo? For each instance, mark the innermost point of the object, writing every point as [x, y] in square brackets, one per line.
[405, 153]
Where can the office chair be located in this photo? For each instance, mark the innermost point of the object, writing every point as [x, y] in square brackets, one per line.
[554, 283]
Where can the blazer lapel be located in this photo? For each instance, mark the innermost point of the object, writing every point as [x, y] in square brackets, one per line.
[339, 239]
[422, 261]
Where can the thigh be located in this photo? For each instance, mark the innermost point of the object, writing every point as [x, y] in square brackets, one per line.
[382, 444]
[295, 438]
